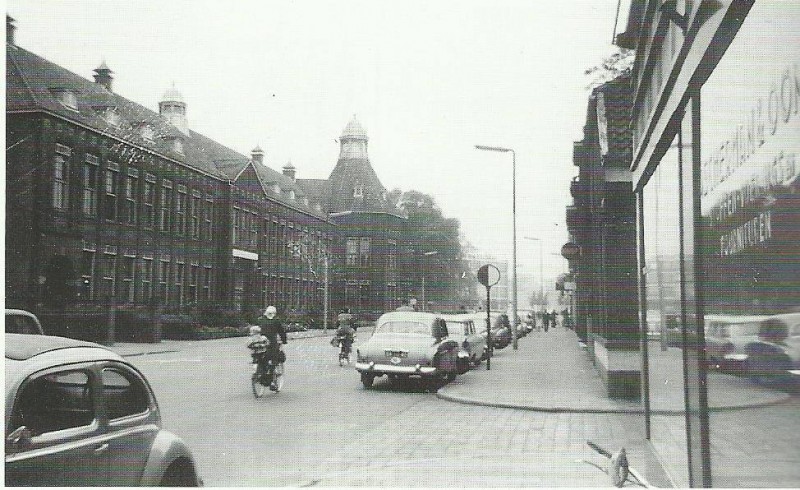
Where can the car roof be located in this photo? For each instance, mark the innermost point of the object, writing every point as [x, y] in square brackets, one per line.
[419, 316]
[21, 347]
[14, 311]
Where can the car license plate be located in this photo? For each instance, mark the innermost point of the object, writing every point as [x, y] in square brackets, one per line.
[395, 353]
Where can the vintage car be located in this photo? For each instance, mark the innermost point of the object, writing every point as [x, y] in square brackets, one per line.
[501, 335]
[461, 328]
[776, 353]
[408, 343]
[21, 321]
[726, 337]
[78, 414]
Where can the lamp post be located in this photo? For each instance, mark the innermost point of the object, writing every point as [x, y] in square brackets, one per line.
[425, 254]
[541, 272]
[514, 232]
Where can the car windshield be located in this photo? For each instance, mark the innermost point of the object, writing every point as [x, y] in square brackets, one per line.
[455, 328]
[405, 327]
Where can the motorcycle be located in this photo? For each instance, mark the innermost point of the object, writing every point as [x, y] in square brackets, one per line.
[268, 373]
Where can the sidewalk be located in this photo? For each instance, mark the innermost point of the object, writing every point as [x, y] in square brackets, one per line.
[132, 349]
[550, 372]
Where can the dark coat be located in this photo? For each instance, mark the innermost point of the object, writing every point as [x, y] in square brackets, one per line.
[272, 329]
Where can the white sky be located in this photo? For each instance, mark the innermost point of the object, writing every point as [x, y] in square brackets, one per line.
[427, 79]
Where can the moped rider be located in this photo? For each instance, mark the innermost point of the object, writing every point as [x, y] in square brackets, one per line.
[272, 328]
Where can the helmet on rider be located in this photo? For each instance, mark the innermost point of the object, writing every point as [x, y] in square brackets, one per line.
[270, 312]
[255, 330]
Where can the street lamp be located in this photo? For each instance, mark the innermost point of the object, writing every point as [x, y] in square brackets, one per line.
[514, 232]
[541, 273]
[425, 254]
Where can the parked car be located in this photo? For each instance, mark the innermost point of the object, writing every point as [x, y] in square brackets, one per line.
[462, 329]
[78, 414]
[777, 350]
[21, 321]
[501, 335]
[726, 337]
[408, 343]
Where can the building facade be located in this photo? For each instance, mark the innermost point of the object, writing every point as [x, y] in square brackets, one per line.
[113, 204]
[715, 138]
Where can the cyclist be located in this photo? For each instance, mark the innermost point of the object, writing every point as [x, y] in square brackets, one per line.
[272, 328]
[345, 335]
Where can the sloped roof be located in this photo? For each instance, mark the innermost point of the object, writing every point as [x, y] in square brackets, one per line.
[31, 85]
[317, 190]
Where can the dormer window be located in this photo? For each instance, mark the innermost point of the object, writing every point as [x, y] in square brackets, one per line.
[318, 207]
[177, 145]
[358, 190]
[276, 189]
[291, 195]
[147, 132]
[67, 97]
[111, 116]
[305, 201]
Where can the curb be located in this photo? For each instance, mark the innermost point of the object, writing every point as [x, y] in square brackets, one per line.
[625, 411]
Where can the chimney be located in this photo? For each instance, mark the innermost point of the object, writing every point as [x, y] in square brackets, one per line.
[102, 75]
[10, 28]
[289, 170]
[257, 154]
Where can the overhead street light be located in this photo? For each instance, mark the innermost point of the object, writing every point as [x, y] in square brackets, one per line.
[514, 233]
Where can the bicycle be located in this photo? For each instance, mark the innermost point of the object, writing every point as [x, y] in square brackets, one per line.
[344, 349]
[268, 374]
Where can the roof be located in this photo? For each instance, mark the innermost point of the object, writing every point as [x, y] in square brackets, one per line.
[354, 130]
[22, 347]
[31, 85]
[268, 178]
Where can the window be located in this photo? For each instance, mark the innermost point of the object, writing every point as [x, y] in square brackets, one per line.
[352, 251]
[90, 183]
[124, 394]
[194, 229]
[130, 196]
[207, 282]
[109, 269]
[149, 196]
[147, 132]
[61, 177]
[110, 199]
[87, 272]
[127, 273]
[67, 97]
[180, 210]
[364, 251]
[237, 216]
[163, 277]
[180, 274]
[358, 190]
[55, 401]
[146, 273]
[207, 224]
[194, 272]
[166, 205]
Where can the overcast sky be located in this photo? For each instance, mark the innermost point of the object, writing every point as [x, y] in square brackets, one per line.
[427, 79]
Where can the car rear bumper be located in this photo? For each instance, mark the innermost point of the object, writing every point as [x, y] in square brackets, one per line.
[378, 369]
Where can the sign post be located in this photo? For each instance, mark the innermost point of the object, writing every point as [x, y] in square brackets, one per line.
[488, 275]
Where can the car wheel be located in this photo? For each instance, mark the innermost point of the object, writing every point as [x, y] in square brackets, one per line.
[179, 474]
[449, 377]
[367, 380]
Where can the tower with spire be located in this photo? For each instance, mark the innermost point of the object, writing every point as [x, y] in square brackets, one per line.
[354, 185]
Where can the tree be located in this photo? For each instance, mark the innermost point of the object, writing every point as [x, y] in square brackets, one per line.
[429, 231]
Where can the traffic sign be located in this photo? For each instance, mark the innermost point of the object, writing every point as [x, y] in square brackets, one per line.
[488, 275]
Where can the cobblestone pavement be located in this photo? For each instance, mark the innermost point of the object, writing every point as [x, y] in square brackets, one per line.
[439, 444]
